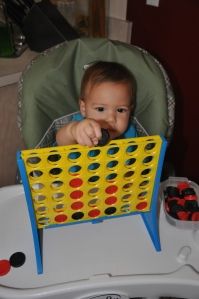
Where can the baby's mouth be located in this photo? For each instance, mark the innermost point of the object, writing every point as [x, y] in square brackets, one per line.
[113, 133]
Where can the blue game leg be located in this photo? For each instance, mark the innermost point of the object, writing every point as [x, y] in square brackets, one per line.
[35, 231]
[151, 218]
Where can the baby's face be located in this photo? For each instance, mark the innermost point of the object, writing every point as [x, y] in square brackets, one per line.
[110, 104]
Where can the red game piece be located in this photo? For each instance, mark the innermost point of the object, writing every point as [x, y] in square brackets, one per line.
[60, 218]
[183, 185]
[4, 267]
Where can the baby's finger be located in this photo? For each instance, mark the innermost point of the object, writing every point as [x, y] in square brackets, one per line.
[95, 140]
[85, 139]
[97, 130]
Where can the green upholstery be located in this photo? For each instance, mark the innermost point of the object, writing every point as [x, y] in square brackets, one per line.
[50, 86]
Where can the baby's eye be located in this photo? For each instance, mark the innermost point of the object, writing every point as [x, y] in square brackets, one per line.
[121, 110]
[100, 109]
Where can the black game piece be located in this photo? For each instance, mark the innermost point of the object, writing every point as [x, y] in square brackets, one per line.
[105, 137]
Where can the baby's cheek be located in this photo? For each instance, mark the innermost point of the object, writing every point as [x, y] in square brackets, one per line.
[123, 125]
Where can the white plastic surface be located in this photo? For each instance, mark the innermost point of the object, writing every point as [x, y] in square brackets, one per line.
[112, 257]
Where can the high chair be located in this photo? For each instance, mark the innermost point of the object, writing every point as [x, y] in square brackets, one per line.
[49, 88]
[109, 259]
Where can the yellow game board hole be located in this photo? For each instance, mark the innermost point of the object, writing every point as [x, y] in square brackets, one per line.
[93, 191]
[43, 221]
[93, 202]
[55, 171]
[144, 184]
[93, 166]
[125, 208]
[110, 178]
[112, 151]
[93, 179]
[127, 186]
[149, 147]
[74, 170]
[112, 164]
[39, 198]
[74, 156]
[145, 172]
[53, 158]
[128, 175]
[56, 184]
[32, 161]
[92, 154]
[142, 195]
[147, 160]
[129, 162]
[35, 174]
[41, 210]
[58, 196]
[131, 149]
[126, 197]
[37, 186]
[60, 207]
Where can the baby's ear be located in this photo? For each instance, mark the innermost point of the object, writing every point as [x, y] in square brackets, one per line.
[82, 107]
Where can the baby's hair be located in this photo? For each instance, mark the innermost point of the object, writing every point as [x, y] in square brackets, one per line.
[107, 71]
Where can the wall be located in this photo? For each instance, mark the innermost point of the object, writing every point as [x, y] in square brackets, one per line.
[118, 28]
[170, 32]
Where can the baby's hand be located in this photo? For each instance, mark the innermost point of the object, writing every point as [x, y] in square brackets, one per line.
[87, 132]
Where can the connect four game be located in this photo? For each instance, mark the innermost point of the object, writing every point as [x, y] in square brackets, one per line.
[73, 184]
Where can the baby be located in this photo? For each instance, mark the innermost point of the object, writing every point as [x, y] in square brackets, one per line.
[107, 100]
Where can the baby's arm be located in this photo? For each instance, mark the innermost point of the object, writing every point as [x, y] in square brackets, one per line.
[84, 132]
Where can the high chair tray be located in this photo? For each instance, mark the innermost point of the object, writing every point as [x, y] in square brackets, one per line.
[114, 248]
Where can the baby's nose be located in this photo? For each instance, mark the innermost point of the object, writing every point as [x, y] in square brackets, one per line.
[111, 117]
